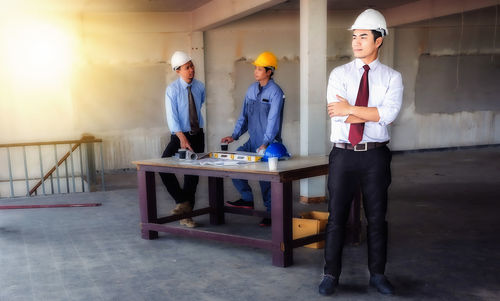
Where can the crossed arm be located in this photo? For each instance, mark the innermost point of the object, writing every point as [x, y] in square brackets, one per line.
[356, 114]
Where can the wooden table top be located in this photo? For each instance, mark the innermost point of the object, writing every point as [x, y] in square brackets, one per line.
[295, 163]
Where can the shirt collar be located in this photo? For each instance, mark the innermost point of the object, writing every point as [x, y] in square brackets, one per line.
[184, 84]
[267, 85]
[373, 65]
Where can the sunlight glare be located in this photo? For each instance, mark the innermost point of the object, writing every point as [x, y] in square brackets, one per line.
[38, 52]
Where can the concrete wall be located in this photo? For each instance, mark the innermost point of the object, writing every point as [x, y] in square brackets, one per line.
[231, 48]
[119, 91]
[457, 38]
[115, 88]
[34, 84]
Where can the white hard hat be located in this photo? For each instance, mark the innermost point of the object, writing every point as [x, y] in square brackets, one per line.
[371, 19]
[178, 59]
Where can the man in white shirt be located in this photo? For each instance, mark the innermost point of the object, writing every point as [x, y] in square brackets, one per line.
[364, 97]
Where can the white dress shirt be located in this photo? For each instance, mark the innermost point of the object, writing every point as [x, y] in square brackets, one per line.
[385, 93]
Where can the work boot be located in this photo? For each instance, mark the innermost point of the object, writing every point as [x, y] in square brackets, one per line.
[328, 285]
[182, 208]
[241, 203]
[188, 222]
[380, 282]
[265, 222]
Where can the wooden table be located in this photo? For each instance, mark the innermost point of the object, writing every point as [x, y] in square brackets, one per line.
[281, 245]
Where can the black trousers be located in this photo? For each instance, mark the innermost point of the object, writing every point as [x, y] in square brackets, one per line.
[185, 194]
[349, 170]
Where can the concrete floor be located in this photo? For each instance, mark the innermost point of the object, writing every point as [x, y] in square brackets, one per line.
[444, 244]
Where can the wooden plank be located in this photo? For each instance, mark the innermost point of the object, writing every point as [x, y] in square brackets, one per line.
[308, 240]
[243, 211]
[230, 238]
[210, 173]
[176, 217]
[147, 202]
[281, 211]
[216, 200]
[4, 207]
[292, 169]
[51, 171]
[50, 143]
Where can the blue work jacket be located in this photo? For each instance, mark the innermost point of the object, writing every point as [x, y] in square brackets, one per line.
[261, 115]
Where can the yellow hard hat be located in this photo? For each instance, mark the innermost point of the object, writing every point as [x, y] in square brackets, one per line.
[266, 59]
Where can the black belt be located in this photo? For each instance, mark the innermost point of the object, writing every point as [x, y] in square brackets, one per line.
[360, 147]
[194, 133]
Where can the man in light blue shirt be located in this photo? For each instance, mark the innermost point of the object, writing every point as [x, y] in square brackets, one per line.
[262, 117]
[183, 101]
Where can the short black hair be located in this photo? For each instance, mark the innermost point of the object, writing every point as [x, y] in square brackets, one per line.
[272, 71]
[377, 34]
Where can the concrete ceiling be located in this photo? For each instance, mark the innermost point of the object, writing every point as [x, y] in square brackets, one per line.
[208, 14]
[107, 5]
[349, 4]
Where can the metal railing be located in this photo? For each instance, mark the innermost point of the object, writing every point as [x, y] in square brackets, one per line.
[64, 168]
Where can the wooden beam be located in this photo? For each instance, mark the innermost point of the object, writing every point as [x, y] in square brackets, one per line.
[37, 206]
[429, 9]
[50, 143]
[218, 12]
[136, 22]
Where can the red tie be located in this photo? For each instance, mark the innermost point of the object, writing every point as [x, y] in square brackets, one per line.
[356, 129]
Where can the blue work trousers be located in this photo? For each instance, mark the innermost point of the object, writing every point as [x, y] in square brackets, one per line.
[245, 189]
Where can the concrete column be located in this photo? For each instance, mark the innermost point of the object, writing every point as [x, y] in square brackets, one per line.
[313, 31]
[90, 162]
[198, 55]
[386, 54]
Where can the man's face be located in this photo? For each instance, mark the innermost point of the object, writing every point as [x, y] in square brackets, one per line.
[186, 72]
[363, 45]
[260, 73]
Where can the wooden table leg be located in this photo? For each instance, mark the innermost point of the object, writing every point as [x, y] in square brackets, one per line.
[147, 201]
[216, 200]
[281, 214]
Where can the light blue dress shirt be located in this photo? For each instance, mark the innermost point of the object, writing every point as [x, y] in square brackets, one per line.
[261, 115]
[177, 104]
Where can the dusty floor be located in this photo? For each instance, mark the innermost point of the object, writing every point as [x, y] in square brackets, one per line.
[444, 244]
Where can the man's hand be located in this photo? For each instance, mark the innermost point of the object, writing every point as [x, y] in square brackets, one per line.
[340, 108]
[227, 139]
[262, 149]
[184, 141]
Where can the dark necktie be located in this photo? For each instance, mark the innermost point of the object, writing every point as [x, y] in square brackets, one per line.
[193, 115]
[356, 129]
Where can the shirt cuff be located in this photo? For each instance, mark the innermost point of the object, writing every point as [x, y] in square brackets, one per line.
[175, 130]
[340, 118]
[386, 115]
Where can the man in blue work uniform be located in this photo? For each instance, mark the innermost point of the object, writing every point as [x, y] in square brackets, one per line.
[262, 117]
[183, 100]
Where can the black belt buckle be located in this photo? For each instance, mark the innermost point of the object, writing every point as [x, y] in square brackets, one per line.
[364, 149]
[192, 133]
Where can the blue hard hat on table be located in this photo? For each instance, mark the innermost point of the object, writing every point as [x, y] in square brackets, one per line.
[277, 150]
